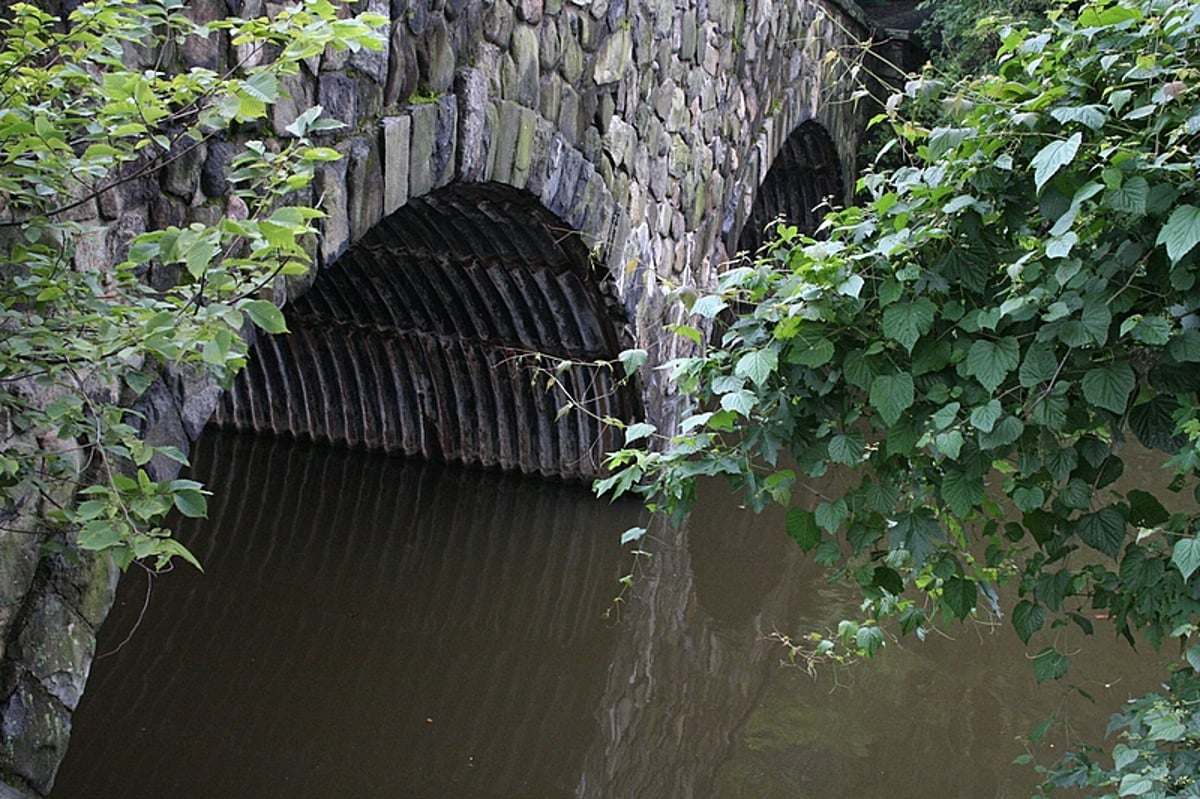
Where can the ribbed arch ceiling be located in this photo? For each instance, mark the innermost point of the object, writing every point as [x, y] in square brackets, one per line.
[806, 172]
[418, 340]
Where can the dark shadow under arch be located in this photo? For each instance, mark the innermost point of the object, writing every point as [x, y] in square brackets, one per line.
[805, 174]
[418, 341]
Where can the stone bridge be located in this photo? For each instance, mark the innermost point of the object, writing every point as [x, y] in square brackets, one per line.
[520, 176]
[535, 176]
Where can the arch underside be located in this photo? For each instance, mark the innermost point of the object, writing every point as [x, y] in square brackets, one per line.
[805, 175]
[432, 337]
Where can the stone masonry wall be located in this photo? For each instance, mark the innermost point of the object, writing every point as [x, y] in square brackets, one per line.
[646, 127]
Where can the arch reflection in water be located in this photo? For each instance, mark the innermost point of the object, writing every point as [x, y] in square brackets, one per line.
[365, 627]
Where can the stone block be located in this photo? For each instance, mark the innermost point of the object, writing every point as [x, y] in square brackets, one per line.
[549, 47]
[530, 11]
[508, 128]
[364, 178]
[436, 58]
[445, 141]
[374, 63]
[615, 57]
[403, 70]
[523, 154]
[569, 117]
[56, 646]
[498, 22]
[421, 148]
[214, 174]
[33, 728]
[471, 88]
[524, 51]
[338, 95]
[330, 185]
[572, 62]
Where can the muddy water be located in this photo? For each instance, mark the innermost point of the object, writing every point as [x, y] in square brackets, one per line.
[370, 627]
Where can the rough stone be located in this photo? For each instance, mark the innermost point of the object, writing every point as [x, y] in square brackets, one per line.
[530, 11]
[396, 133]
[525, 58]
[214, 175]
[374, 63]
[615, 57]
[56, 646]
[424, 130]
[338, 95]
[330, 184]
[364, 179]
[33, 734]
[403, 69]
[472, 124]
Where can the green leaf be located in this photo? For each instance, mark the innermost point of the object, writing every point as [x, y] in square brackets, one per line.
[1192, 655]
[1039, 366]
[1053, 157]
[632, 534]
[803, 529]
[1103, 530]
[1130, 198]
[1181, 232]
[264, 314]
[907, 322]
[847, 448]
[984, 417]
[1027, 619]
[990, 361]
[892, 395]
[757, 365]
[191, 503]
[962, 492]
[1109, 386]
[830, 515]
[632, 360]
[638, 431]
[1049, 664]
[1186, 556]
[1135, 785]
[959, 594]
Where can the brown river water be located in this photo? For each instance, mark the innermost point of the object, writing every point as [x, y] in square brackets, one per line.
[373, 628]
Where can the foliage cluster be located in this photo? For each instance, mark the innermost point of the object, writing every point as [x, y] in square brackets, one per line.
[978, 342]
[81, 115]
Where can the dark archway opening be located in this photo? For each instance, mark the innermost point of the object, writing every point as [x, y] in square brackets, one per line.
[805, 175]
[421, 340]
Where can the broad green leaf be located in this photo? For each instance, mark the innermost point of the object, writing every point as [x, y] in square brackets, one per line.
[962, 492]
[1039, 366]
[1181, 233]
[266, 315]
[757, 366]
[708, 306]
[632, 360]
[638, 431]
[1135, 784]
[1103, 530]
[803, 529]
[1053, 157]
[892, 395]
[1027, 619]
[830, 515]
[191, 503]
[1186, 556]
[1049, 664]
[1130, 198]
[847, 448]
[907, 322]
[632, 534]
[984, 417]
[990, 361]
[1109, 386]
[959, 594]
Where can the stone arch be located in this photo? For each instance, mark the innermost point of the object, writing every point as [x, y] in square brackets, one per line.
[805, 173]
[423, 338]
